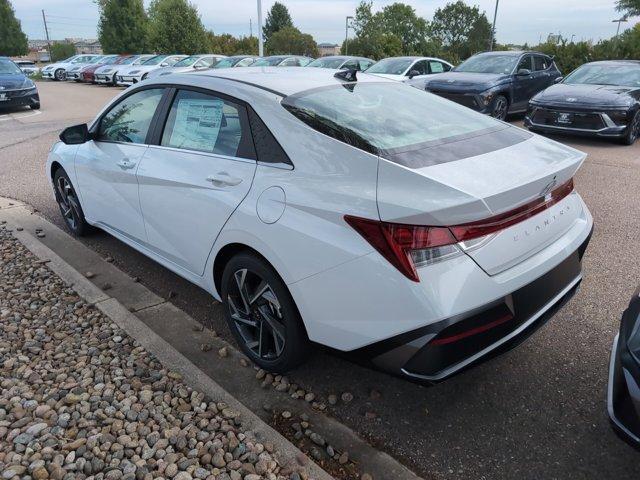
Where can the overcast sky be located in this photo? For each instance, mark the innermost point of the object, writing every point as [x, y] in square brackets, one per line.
[518, 21]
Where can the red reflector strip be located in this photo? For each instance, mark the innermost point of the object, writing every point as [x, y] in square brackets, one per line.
[474, 331]
[480, 228]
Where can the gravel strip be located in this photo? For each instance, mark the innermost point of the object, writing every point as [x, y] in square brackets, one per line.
[79, 399]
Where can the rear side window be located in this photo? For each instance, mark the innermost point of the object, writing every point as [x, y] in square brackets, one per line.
[129, 120]
[541, 63]
[421, 67]
[436, 67]
[207, 123]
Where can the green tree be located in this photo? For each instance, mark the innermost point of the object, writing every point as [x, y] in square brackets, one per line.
[62, 50]
[277, 18]
[122, 27]
[175, 26]
[401, 21]
[630, 8]
[13, 41]
[460, 30]
[291, 41]
[227, 44]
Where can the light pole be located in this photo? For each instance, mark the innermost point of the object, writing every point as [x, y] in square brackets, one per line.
[619, 21]
[260, 40]
[573, 35]
[346, 34]
[493, 28]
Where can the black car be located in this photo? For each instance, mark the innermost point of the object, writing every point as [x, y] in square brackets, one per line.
[623, 399]
[599, 99]
[16, 88]
[495, 83]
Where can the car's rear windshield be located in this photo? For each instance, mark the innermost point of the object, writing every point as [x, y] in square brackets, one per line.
[391, 66]
[501, 64]
[327, 62]
[385, 117]
[606, 74]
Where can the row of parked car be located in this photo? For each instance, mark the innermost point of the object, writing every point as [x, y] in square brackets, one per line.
[598, 99]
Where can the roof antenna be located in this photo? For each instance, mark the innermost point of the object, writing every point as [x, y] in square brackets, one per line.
[348, 75]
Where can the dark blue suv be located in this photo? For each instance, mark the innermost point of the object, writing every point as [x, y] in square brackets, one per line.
[495, 83]
[16, 89]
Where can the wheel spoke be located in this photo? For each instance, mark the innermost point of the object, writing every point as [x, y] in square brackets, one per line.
[260, 289]
[276, 330]
[241, 276]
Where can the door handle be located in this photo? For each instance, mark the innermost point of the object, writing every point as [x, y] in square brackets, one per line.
[223, 179]
[126, 164]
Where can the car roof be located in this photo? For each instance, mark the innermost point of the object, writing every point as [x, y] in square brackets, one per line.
[285, 80]
[515, 53]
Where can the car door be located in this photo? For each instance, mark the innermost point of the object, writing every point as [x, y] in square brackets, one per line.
[524, 86]
[106, 166]
[543, 72]
[193, 180]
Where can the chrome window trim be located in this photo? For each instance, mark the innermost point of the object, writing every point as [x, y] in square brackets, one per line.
[204, 154]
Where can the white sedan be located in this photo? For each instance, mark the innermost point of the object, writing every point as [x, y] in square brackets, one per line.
[137, 73]
[58, 71]
[316, 208]
[407, 68]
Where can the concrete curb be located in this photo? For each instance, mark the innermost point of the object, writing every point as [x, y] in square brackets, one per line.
[287, 453]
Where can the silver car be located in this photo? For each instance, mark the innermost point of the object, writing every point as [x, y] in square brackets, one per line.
[193, 62]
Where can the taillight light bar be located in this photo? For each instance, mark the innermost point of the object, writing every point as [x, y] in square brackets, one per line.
[401, 243]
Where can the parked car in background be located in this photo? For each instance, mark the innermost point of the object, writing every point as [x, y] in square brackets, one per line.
[137, 73]
[188, 64]
[623, 399]
[495, 83]
[88, 72]
[75, 73]
[282, 61]
[16, 88]
[107, 75]
[236, 61]
[27, 66]
[407, 68]
[422, 252]
[58, 71]
[342, 62]
[600, 99]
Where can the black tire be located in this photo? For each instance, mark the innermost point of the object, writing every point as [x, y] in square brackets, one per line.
[69, 204]
[633, 130]
[264, 320]
[35, 106]
[59, 75]
[500, 108]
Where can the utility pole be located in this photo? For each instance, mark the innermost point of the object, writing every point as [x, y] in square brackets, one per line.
[260, 40]
[46, 32]
[346, 34]
[619, 21]
[493, 29]
[250, 28]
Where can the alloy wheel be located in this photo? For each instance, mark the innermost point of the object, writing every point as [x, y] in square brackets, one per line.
[635, 128]
[60, 74]
[257, 314]
[500, 108]
[68, 203]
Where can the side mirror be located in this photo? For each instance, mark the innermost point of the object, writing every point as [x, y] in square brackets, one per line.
[164, 64]
[413, 73]
[558, 79]
[75, 135]
[523, 72]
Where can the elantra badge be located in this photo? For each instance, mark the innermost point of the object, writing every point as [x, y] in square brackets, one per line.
[572, 99]
[450, 81]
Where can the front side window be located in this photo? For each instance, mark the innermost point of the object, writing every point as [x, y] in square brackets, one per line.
[245, 62]
[364, 64]
[290, 62]
[130, 119]
[327, 62]
[525, 64]
[391, 66]
[187, 62]
[384, 117]
[541, 63]
[488, 63]
[205, 123]
[437, 67]
[157, 60]
[267, 62]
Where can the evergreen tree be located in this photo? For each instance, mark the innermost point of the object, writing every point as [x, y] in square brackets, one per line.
[13, 41]
[277, 19]
[175, 27]
[123, 26]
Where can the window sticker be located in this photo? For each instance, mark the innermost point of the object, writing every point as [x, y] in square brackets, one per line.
[197, 124]
[437, 67]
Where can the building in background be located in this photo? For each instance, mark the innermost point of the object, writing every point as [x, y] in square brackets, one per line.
[327, 49]
[90, 46]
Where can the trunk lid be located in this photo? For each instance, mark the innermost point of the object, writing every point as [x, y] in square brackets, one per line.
[461, 190]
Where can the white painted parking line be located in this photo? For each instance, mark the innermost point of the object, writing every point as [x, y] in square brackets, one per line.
[16, 116]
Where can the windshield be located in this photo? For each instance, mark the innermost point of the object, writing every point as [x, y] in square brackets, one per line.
[488, 64]
[25, 63]
[391, 66]
[187, 62]
[7, 67]
[327, 63]
[382, 117]
[109, 60]
[603, 74]
[157, 60]
[97, 60]
[267, 62]
[227, 62]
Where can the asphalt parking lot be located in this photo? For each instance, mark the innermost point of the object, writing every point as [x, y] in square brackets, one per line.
[538, 411]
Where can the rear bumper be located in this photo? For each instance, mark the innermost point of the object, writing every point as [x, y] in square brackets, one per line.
[623, 394]
[440, 350]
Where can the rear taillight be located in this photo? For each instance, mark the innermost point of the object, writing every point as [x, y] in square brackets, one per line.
[410, 246]
[406, 246]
